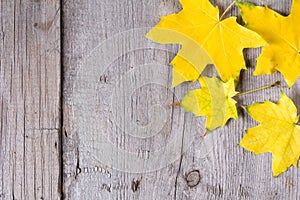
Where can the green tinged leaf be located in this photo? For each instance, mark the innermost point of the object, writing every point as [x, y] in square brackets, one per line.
[213, 100]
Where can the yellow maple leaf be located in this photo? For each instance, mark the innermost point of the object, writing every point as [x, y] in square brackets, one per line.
[199, 27]
[213, 100]
[277, 133]
[283, 36]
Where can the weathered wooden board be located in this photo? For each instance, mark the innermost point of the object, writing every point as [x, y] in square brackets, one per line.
[122, 141]
[30, 77]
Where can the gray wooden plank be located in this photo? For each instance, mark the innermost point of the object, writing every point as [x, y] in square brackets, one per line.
[122, 141]
[30, 99]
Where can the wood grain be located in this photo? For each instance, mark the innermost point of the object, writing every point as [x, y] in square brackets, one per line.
[116, 92]
[30, 99]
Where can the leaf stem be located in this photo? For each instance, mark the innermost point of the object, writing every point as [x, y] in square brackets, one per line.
[176, 104]
[204, 133]
[227, 9]
[258, 89]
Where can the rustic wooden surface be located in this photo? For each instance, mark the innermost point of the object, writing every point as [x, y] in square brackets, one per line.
[109, 96]
[120, 139]
[30, 77]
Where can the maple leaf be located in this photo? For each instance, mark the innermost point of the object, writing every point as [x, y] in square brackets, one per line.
[277, 133]
[213, 100]
[283, 36]
[199, 27]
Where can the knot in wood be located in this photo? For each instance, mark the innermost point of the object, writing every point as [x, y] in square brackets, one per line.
[193, 178]
[135, 185]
